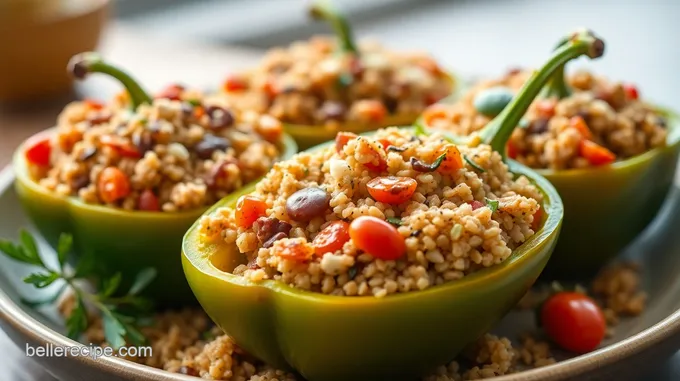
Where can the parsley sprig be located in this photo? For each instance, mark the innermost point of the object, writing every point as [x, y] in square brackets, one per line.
[121, 314]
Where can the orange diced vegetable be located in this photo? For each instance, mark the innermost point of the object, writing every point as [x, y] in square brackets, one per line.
[234, 84]
[546, 108]
[123, 147]
[453, 160]
[578, 123]
[342, 138]
[434, 113]
[372, 110]
[249, 209]
[538, 217]
[631, 92]
[595, 153]
[295, 249]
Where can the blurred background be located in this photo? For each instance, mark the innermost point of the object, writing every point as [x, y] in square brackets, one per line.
[197, 42]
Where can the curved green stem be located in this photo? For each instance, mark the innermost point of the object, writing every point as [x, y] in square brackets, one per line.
[557, 86]
[324, 10]
[85, 63]
[498, 131]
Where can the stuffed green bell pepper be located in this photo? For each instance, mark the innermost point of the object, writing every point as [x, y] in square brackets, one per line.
[324, 85]
[381, 255]
[611, 155]
[128, 178]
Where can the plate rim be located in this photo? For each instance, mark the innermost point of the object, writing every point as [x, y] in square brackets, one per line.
[22, 322]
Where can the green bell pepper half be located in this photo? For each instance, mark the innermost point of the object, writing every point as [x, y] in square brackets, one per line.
[120, 240]
[606, 207]
[399, 337]
[308, 136]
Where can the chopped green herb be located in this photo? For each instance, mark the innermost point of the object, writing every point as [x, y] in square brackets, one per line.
[473, 164]
[120, 313]
[394, 220]
[420, 131]
[492, 204]
[423, 167]
[352, 272]
[306, 171]
[456, 231]
[194, 102]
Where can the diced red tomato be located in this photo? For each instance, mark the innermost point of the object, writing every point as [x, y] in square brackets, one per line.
[377, 237]
[342, 138]
[148, 201]
[332, 238]
[39, 152]
[546, 108]
[538, 216]
[270, 88]
[372, 110]
[112, 185]
[631, 92]
[172, 92]
[476, 204]
[595, 153]
[234, 84]
[511, 150]
[391, 189]
[248, 210]
[123, 147]
[385, 143]
[93, 104]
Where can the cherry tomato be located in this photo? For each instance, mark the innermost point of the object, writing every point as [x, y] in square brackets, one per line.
[578, 123]
[234, 83]
[536, 223]
[249, 209]
[377, 237]
[295, 249]
[392, 189]
[148, 201]
[123, 147]
[172, 92]
[453, 160]
[342, 138]
[573, 321]
[112, 185]
[332, 238]
[631, 91]
[595, 153]
[476, 204]
[511, 150]
[39, 153]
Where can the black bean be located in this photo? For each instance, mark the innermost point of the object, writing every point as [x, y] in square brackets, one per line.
[80, 181]
[661, 122]
[274, 238]
[333, 110]
[88, 153]
[143, 142]
[307, 203]
[220, 118]
[391, 105]
[267, 227]
[211, 143]
[538, 126]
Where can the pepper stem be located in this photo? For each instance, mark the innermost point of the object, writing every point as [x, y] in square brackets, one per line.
[557, 85]
[324, 10]
[83, 64]
[498, 131]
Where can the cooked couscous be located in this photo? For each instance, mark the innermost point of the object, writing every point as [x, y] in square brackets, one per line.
[600, 122]
[379, 215]
[186, 342]
[309, 83]
[175, 154]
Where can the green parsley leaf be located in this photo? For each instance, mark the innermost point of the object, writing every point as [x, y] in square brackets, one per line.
[41, 280]
[63, 248]
[473, 164]
[110, 285]
[48, 300]
[13, 251]
[114, 330]
[194, 102]
[352, 272]
[143, 279]
[394, 220]
[76, 323]
[419, 130]
[424, 167]
[30, 248]
[492, 204]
